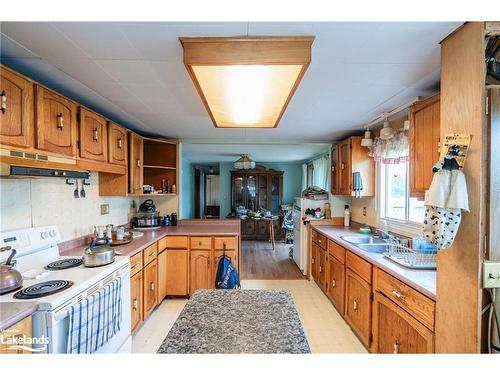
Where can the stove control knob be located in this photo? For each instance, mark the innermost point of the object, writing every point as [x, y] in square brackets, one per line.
[52, 233]
[44, 235]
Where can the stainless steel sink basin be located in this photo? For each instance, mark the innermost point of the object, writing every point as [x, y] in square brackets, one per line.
[373, 247]
[362, 239]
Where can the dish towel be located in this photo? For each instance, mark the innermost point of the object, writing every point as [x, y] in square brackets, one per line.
[444, 202]
[95, 320]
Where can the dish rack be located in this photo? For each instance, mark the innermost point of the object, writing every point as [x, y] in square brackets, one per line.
[400, 251]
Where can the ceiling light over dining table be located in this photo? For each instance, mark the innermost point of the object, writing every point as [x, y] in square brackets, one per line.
[247, 82]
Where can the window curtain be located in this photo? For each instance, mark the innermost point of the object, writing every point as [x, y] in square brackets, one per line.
[304, 176]
[320, 172]
[391, 151]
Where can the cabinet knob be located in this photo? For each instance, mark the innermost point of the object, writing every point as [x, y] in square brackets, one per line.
[342, 166]
[95, 134]
[120, 143]
[135, 304]
[398, 295]
[355, 305]
[138, 162]
[396, 347]
[334, 283]
[60, 121]
[152, 286]
[3, 103]
[312, 260]
[320, 269]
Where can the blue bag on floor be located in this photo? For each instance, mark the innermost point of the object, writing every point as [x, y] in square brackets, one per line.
[227, 275]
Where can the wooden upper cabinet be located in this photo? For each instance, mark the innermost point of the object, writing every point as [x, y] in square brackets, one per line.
[352, 157]
[93, 136]
[334, 179]
[358, 306]
[117, 144]
[344, 170]
[56, 126]
[396, 331]
[424, 141]
[16, 110]
[136, 160]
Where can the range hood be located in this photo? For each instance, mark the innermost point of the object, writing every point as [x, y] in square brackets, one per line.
[15, 163]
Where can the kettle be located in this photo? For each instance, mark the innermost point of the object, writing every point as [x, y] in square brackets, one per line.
[147, 206]
[10, 279]
[99, 253]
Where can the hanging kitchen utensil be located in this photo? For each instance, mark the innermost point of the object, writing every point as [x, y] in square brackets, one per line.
[82, 192]
[75, 192]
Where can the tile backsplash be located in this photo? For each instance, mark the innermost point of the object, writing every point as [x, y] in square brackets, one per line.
[34, 202]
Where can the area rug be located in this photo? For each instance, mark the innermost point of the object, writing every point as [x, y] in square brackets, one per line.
[237, 321]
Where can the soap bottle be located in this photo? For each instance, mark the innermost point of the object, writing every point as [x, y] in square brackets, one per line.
[347, 216]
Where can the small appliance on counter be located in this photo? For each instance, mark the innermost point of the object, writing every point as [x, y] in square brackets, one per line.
[147, 217]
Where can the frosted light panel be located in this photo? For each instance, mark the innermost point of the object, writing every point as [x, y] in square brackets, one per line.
[250, 96]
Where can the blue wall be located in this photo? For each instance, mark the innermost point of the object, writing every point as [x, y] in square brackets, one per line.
[292, 182]
[187, 192]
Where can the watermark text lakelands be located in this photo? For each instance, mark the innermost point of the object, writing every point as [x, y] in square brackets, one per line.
[24, 340]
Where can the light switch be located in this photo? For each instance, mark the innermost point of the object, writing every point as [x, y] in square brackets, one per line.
[491, 274]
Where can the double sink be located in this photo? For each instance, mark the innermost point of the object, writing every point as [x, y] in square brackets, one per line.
[367, 243]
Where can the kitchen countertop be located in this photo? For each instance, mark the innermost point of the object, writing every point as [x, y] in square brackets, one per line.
[151, 236]
[422, 280]
[13, 312]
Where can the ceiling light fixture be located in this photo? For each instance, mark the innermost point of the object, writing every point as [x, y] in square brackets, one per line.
[386, 132]
[246, 82]
[367, 141]
[244, 162]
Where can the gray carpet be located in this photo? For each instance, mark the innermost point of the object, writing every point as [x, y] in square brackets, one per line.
[237, 321]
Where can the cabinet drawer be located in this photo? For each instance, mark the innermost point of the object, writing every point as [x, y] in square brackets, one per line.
[314, 236]
[360, 266]
[135, 263]
[162, 244]
[176, 242]
[336, 250]
[203, 243]
[229, 241]
[150, 253]
[322, 241]
[415, 303]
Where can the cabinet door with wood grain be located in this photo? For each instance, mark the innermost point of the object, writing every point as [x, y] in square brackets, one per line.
[314, 260]
[358, 306]
[136, 158]
[117, 144]
[201, 267]
[136, 300]
[322, 268]
[344, 175]
[336, 283]
[424, 143]
[177, 272]
[56, 125]
[93, 136]
[395, 331]
[334, 174]
[150, 287]
[16, 110]
[162, 275]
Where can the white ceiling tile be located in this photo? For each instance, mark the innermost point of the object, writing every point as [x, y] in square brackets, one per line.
[129, 71]
[11, 49]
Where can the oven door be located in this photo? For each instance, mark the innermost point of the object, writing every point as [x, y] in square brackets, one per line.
[55, 324]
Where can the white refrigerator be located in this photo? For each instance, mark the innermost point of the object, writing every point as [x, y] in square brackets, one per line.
[300, 231]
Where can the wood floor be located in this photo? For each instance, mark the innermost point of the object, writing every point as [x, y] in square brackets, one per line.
[260, 262]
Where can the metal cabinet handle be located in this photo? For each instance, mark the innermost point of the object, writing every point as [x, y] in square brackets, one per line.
[334, 283]
[342, 166]
[333, 168]
[3, 105]
[138, 162]
[320, 269]
[398, 295]
[60, 121]
[120, 143]
[95, 135]
[396, 347]
[135, 304]
[152, 286]
[312, 260]
[355, 305]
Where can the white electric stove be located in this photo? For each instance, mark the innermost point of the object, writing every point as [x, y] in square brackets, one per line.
[56, 290]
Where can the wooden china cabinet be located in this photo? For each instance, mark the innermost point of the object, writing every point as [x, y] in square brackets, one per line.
[254, 189]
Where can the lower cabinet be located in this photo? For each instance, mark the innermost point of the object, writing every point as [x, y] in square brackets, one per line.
[358, 306]
[136, 300]
[162, 275]
[18, 330]
[150, 284]
[314, 260]
[177, 272]
[336, 283]
[201, 268]
[322, 268]
[396, 331]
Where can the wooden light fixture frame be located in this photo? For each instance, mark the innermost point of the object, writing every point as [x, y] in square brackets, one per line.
[245, 50]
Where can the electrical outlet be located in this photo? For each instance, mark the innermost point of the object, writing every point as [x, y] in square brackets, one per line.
[491, 274]
[104, 209]
[364, 211]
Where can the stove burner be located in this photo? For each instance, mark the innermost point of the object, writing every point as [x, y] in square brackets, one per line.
[63, 264]
[43, 289]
